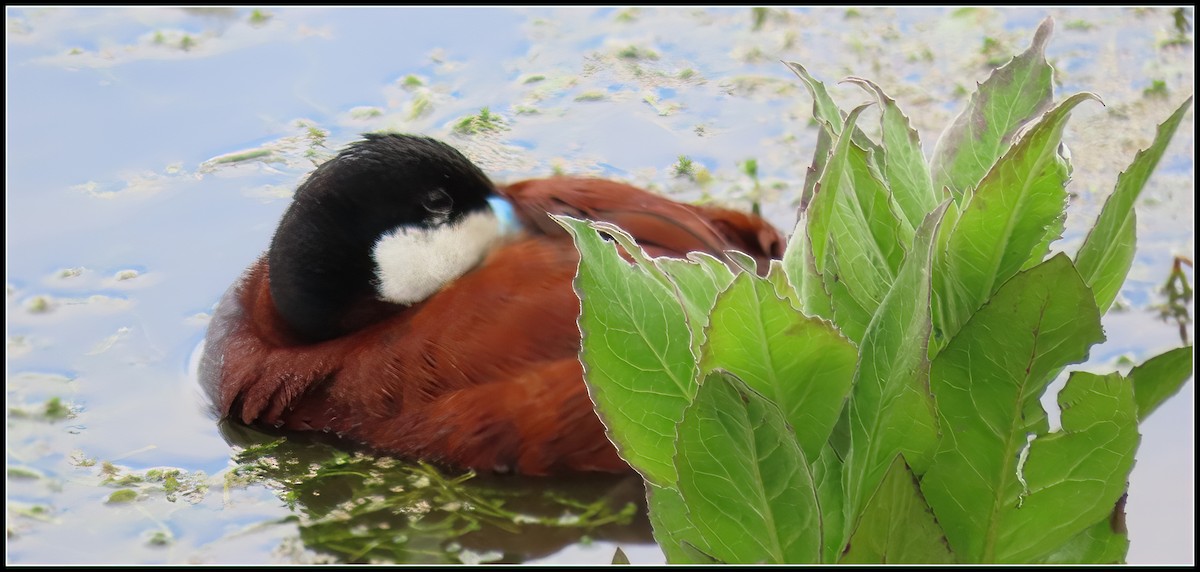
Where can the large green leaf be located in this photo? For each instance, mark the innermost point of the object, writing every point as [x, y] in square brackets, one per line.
[988, 382]
[858, 240]
[696, 281]
[904, 165]
[891, 410]
[801, 271]
[802, 364]
[674, 533]
[1106, 542]
[813, 172]
[636, 352]
[1107, 252]
[1004, 221]
[824, 108]
[874, 209]
[852, 309]
[1160, 377]
[1073, 477]
[1012, 96]
[897, 526]
[777, 276]
[853, 209]
[748, 487]
[831, 491]
[830, 117]
[1052, 233]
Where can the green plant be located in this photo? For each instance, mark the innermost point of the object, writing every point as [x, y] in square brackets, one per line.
[353, 507]
[876, 396]
[484, 121]
[684, 167]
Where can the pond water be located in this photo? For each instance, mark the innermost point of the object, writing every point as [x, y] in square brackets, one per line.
[151, 151]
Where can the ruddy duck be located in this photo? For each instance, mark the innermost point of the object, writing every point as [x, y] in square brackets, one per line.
[408, 304]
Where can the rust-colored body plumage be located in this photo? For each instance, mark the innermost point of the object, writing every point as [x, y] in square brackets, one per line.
[484, 373]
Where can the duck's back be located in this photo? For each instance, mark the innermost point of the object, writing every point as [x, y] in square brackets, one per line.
[482, 374]
[661, 226]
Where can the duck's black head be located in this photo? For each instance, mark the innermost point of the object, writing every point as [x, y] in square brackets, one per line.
[392, 217]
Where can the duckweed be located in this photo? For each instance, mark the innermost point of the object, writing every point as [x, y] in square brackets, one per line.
[122, 496]
[259, 17]
[484, 121]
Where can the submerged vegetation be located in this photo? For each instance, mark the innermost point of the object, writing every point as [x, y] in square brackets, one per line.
[878, 395]
[354, 507]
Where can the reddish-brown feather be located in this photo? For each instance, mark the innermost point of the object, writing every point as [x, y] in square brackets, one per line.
[484, 374]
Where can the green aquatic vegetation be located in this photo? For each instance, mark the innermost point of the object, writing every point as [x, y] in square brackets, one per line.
[242, 156]
[484, 121]
[24, 473]
[748, 85]
[172, 483]
[53, 409]
[924, 55]
[363, 113]
[316, 136]
[750, 169]
[39, 305]
[1179, 17]
[684, 167]
[759, 15]
[122, 496]
[636, 53]
[1178, 41]
[687, 168]
[1179, 296]
[19, 510]
[366, 508]
[877, 395]
[660, 107]
[158, 537]
[593, 95]
[627, 15]
[419, 106]
[994, 52]
[259, 17]
[411, 81]
[1157, 89]
[315, 142]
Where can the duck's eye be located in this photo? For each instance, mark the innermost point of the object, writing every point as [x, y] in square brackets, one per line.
[438, 202]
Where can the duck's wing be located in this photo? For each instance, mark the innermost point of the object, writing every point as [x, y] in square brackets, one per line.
[540, 422]
[661, 226]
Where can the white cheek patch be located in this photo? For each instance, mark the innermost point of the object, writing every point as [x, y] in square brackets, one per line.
[413, 263]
